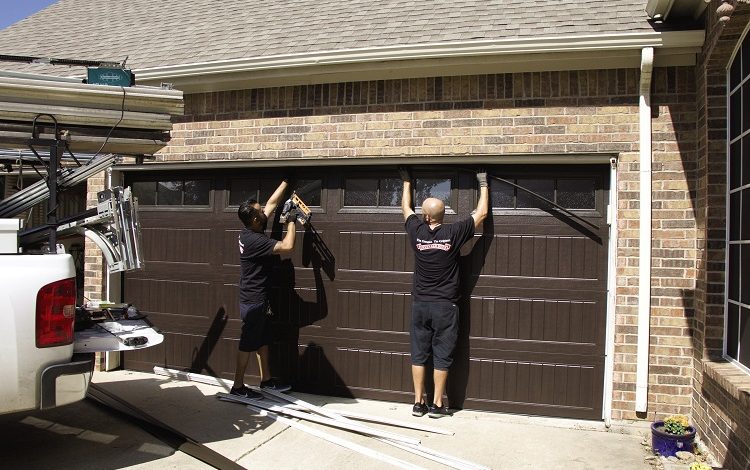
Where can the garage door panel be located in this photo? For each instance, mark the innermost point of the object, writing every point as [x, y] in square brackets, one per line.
[374, 251]
[363, 368]
[539, 384]
[548, 320]
[177, 245]
[533, 256]
[171, 296]
[374, 310]
[300, 306]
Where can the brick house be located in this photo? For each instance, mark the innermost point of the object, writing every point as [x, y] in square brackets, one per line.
[587, 105]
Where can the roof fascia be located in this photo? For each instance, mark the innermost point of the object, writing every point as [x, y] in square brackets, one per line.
[496, 56]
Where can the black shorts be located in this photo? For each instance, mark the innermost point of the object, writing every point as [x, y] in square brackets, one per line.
[434, 331]
[256, 330]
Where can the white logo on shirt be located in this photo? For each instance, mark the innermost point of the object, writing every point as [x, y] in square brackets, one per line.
[423, 245]
[242, 247]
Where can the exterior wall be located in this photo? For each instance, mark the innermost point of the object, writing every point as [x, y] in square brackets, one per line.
[573, 113]
[721, 410]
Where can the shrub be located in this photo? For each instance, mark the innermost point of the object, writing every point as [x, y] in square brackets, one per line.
[700, 466]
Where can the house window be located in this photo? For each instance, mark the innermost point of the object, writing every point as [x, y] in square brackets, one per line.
[737, 330]
[570, 193]
[173, 192]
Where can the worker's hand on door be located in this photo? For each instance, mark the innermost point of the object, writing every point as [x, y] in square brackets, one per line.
[482, 178]
[404, 173]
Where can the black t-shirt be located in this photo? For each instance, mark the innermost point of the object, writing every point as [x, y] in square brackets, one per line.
[436, 257]
[256, 260]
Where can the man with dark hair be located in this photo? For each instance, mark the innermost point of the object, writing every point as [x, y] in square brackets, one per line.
[435, 292]
[256, 261]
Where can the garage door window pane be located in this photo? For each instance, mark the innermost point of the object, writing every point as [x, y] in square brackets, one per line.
[390, 192]
[197, 192]
[361, 192]
[145, 191]
[309, 191]
[169, 193]
[542, 187]
[501, 196]
[439, 188]
[576, 193]
[240, 190]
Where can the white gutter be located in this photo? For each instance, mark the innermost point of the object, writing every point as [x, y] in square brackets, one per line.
[644, 264]
[651, 39]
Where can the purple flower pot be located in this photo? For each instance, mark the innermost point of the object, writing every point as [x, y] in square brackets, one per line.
[666, 444]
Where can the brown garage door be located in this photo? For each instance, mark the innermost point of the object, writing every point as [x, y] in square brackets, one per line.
[532, 319]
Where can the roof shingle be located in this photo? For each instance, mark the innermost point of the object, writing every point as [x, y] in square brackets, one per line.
[176, 32]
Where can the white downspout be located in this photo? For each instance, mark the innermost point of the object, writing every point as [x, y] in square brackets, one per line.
[644, 264]
[609, 355]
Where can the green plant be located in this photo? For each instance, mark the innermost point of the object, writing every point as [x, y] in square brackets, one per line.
[700, 466]
[676, 424]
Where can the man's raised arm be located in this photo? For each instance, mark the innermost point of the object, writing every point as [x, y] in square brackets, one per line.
[406, 195]
[484, 200]
[275, 198]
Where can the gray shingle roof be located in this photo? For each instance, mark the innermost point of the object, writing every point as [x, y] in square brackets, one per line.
[173, 32]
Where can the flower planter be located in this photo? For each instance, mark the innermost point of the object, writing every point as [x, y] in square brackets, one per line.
[666, 444]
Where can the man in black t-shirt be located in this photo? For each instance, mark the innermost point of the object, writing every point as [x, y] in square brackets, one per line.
[435, 293]
[256, 262]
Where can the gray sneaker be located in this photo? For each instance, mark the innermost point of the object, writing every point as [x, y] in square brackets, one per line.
[245, 392]
[272, 384]
[438, 411]
[419, 409]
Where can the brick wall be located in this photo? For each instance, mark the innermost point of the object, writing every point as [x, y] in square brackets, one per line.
[93, 285]
[721, 410]
[571, 113]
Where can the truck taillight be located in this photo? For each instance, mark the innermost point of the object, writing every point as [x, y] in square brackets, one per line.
[55, 313]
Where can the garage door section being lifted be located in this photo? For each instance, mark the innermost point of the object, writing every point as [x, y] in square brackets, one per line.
[66, 130]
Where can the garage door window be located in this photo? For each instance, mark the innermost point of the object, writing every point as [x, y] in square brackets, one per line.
[737, 329]
[439, 188]
[570, 193]
[260, 189]
[372, 192]
[173, 193]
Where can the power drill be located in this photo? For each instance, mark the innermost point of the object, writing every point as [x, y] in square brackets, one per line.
[295, 206]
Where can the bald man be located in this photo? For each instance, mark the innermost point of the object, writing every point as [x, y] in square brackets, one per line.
[435, 293]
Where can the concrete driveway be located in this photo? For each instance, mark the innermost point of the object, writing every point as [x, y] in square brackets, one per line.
[86, 435]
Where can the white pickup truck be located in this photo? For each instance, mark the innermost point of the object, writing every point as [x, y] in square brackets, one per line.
[47, 343]
[37, 313]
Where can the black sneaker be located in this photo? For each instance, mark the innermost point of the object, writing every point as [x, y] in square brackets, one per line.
[438, 411]
[272, 384]
[245, 392]
[419, 409]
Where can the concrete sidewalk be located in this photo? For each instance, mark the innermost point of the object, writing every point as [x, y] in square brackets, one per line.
[495, 440]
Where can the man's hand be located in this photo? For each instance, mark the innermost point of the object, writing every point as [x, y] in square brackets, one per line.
[482, 178]
[404, 173]
[287, 211]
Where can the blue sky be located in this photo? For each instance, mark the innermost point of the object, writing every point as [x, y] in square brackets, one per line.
[12, 11]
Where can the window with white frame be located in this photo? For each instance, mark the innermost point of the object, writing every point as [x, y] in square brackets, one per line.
[737, 330]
